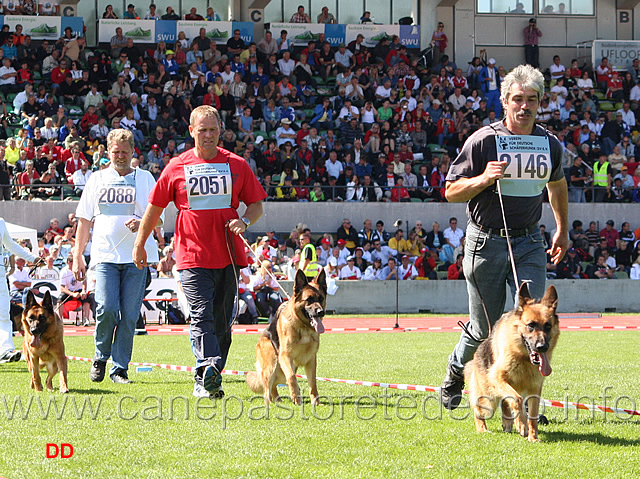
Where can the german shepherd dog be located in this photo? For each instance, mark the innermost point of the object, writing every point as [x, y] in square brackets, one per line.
[43, 342]
[511, 364]
[292, 341]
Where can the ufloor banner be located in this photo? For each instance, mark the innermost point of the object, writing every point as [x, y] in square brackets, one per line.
[620, 53]
[150, 31]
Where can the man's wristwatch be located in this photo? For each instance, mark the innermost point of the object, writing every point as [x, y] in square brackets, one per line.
[246, 221]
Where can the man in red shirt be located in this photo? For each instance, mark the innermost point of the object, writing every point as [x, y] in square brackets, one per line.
[206, 183]
[59, 74]
[611, 234]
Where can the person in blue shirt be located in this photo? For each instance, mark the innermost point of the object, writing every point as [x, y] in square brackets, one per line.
[170, 64]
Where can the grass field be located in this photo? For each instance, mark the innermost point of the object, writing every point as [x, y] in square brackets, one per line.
[358, 432]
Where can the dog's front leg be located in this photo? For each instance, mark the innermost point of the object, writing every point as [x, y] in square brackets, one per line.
[289, 370]
[514, 402]
[310, 370]
[33, 363]
[62, 366]
[533, 403]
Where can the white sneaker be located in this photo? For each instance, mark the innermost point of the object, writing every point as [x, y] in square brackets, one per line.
[11, 356]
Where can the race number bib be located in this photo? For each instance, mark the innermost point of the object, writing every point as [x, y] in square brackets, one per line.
[118, 197]
[528, 160]
[208, 186]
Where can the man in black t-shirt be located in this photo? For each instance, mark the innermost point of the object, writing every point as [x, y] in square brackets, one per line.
[235, 44]
[526, 159]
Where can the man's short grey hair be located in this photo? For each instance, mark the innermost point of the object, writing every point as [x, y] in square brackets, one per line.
[525, 76]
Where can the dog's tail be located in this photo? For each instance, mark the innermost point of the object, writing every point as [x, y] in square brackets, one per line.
[254, 382]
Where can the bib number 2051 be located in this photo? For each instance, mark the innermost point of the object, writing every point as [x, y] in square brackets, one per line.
[208, 185]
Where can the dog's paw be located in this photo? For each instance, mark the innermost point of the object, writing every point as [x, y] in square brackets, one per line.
[64, 391]
[533, 439]
[297, 400]
[315, 401]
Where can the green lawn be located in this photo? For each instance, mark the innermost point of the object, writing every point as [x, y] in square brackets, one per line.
[353, 439]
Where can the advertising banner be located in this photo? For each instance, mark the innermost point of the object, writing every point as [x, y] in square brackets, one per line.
[372, 33]
[142, 31]
[298, 34]
[620, 53]
[39, 27]
[218, 31]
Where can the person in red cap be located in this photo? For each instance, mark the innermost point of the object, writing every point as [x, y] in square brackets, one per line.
[324, 251]
[155, 155]
[426, 264]
[342, 247]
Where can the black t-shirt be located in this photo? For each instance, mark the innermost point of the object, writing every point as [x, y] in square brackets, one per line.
[484, 208]
[235, 43]
[578, 172]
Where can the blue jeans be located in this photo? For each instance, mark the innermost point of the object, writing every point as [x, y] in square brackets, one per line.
[487, 270]
[446, 254]
[211, 294]
[119, 294]
[576, 194]
[493, 102]
[247, 297]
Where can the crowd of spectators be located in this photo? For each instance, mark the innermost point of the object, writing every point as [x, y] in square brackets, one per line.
[349, 253]
[315, 122]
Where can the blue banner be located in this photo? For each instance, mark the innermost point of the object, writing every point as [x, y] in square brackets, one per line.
[76, 24]
[410, 36]
[246, 31]
[335, 34]
[166, 31]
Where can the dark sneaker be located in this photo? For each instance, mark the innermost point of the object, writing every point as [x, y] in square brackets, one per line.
[97, 371]
[120, 378]
[11, 357]
[211, 379]
[451, 389]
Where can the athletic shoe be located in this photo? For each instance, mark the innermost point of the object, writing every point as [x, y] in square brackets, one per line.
[211, 379]
[120, 378]
[200, 392]
[11, 356]
[86, 323]
[451, 389]
[97, 371]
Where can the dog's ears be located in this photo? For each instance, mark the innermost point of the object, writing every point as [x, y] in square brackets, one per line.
[300, 282]
[523, 294]
[47, 302]
[321, 281]
[550, 298]
[31, 301]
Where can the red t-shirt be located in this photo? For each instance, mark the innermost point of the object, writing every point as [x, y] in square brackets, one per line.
[200, 233]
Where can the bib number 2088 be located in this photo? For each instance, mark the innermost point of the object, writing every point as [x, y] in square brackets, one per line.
[207, 185]
[113, 195]
[532, 166]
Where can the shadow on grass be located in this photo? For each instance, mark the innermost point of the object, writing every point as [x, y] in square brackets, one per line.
[596, 438]
[91, 391]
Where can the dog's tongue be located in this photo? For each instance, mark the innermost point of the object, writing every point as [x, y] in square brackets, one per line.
[317, 325]
[544, 366]
[35, 341]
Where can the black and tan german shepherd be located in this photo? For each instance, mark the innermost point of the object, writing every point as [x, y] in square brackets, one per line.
[43, 342]
[291, 341]
[510, 366]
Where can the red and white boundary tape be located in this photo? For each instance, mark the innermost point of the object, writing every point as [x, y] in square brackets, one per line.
[403, 387]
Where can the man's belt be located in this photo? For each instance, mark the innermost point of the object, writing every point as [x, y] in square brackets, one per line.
[513, 232]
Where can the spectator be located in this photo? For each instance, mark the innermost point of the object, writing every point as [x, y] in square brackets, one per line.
[300, 16]
[193, 15]
[455, 271]
[326, 17]
[610, 234]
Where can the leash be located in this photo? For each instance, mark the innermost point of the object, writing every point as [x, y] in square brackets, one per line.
[231, 251]
[506, 234]
[269, 272]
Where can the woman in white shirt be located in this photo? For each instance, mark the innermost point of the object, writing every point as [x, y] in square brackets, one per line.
[585, 83]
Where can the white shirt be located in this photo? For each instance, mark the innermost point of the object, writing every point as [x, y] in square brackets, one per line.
[80, 179]
[112, 241]
[334, 169]
[19, 276]
[7, 81]
[19, 100]
[371, 274]
[383, 92]
[454, 237]
[556, 71]
[348, 273]
[628, 117]
[409, 272]
[634, 95]
[68, 280]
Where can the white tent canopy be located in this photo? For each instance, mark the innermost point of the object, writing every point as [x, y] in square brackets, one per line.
[22, 232]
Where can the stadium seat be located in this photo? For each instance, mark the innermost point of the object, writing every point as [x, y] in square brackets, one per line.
[442, 274]
[620, 275]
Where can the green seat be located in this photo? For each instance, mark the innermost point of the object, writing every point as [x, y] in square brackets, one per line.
[607, 106]
[272, 134]
[261, 133]
[416, 200]
[275, 179]
[599, 95]
[435, 148]
[442, 274]
[620, 275]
